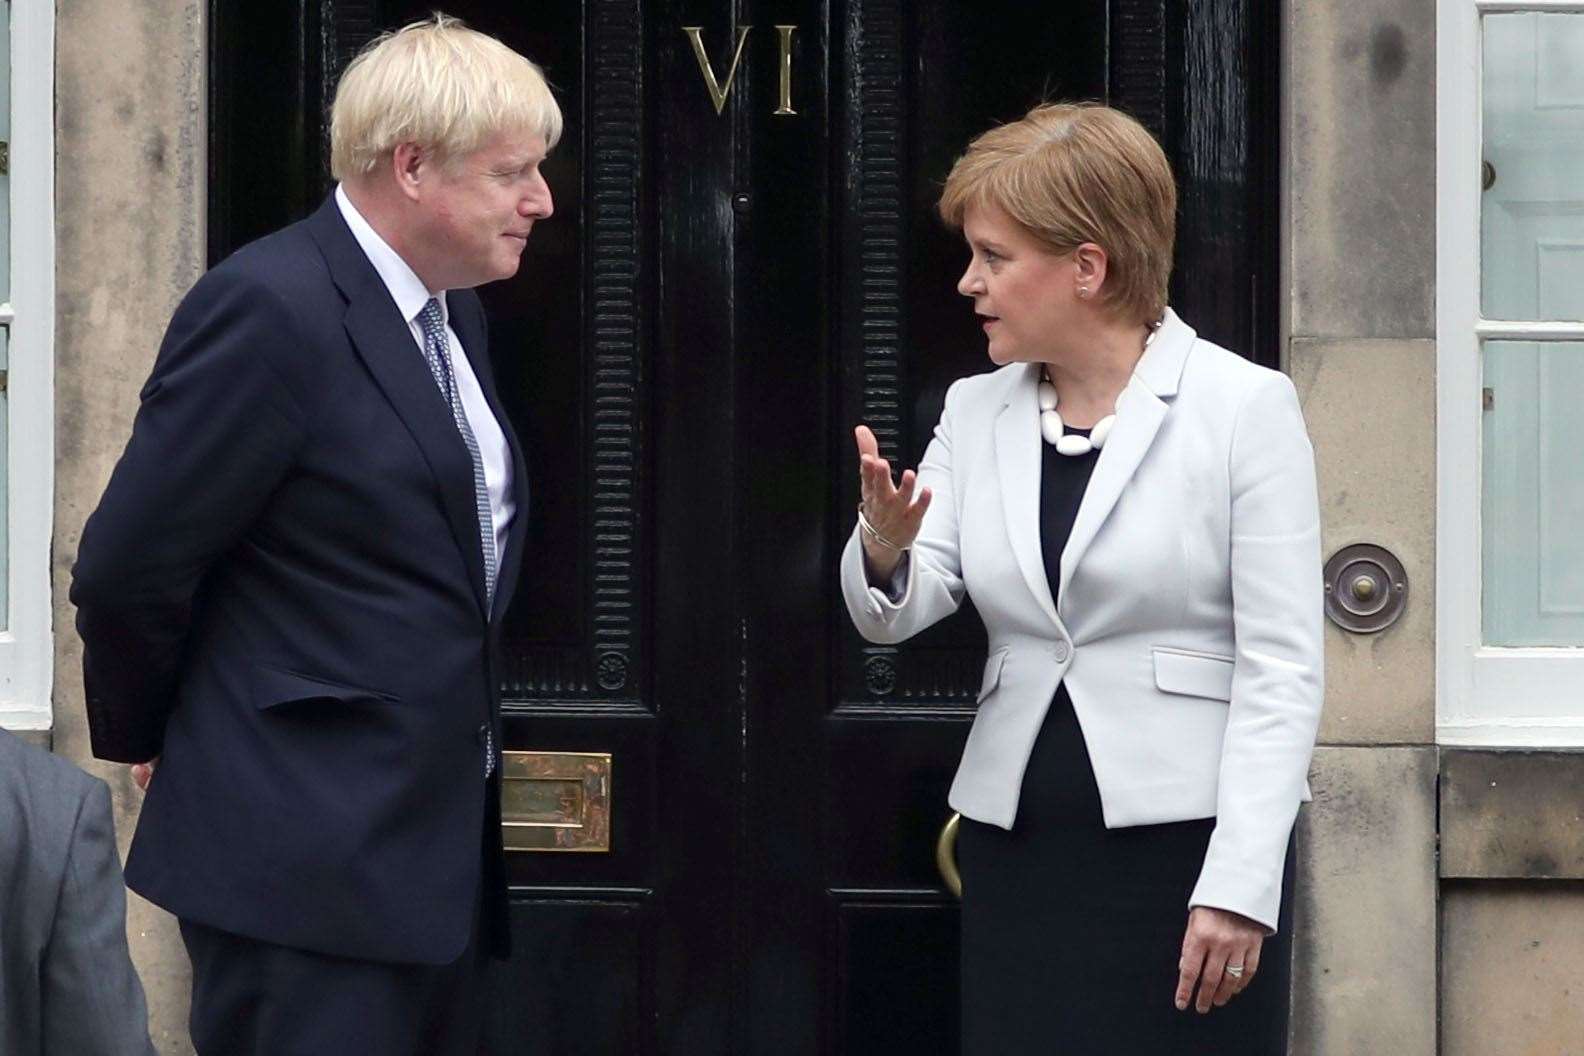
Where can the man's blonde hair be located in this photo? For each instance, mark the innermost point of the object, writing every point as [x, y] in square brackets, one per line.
[1072, 173]
[441, 85]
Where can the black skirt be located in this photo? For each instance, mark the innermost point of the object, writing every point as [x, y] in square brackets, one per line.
[1071, 932]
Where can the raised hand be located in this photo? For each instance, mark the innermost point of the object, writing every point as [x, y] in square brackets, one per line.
[891, 510]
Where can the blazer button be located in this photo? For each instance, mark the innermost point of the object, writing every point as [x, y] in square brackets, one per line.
[1061, 650]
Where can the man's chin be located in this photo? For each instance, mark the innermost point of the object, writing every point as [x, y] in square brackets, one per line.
[506, 269]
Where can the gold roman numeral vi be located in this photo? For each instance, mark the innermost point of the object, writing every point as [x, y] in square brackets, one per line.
[719, 92]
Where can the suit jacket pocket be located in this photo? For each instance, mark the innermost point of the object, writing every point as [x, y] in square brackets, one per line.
[275, 687]
[992, 673]
[1193, 674]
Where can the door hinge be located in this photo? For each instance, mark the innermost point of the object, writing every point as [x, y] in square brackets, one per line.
[2, 381]
[5, 158]
[1488, 399]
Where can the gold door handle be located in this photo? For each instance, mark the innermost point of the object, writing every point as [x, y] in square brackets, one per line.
[946, 855]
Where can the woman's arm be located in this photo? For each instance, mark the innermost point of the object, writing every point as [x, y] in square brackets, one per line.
[930, 571]
[1276, 694]
[1278, 676]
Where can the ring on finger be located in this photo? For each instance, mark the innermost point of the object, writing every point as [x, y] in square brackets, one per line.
[1235, 971]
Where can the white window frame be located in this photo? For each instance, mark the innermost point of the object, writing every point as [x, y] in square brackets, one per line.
[1529, 697]
[26, 649]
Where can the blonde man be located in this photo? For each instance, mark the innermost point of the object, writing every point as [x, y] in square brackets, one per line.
[290, 594]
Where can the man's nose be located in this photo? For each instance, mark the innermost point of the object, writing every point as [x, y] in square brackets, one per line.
[538, 202]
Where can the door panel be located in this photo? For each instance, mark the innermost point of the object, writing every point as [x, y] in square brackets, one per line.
[851, 746]
[719, 299]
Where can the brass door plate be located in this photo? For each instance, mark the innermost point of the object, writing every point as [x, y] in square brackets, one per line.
[555, 801]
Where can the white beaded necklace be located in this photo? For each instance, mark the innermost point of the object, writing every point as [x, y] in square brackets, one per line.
[1054, 430]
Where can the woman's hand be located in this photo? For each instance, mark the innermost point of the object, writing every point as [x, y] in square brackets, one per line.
[890, 510]
[1217, 943]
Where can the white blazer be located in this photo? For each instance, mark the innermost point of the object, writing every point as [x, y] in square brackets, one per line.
[1189, 629]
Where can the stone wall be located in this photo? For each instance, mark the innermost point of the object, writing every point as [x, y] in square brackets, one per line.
[1441, 909]
[1359, 261]
[130, 183]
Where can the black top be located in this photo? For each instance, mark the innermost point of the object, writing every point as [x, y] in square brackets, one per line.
[1063, 479]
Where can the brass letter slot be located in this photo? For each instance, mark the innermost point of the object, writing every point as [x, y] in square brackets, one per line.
[555, 801]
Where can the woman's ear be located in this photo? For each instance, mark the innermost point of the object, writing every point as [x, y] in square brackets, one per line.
[1089, 268]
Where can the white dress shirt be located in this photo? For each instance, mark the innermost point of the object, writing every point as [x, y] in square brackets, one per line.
[410, 295]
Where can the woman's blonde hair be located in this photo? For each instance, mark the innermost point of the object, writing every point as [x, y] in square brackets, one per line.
[1072, 173]
[441, 85]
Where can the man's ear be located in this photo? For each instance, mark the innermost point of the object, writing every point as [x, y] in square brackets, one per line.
[410, 165]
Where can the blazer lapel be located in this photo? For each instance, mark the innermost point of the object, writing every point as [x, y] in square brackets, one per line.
[517, 534]
[386, 346]
[1017, 439]
[1140, 410]
[467, 319]
[471, 330]
[1139, 414]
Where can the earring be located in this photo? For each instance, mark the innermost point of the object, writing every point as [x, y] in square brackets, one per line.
[1083, 291]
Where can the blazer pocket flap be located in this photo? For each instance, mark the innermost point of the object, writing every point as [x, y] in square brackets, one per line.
[273, 687]
[1193, 674]
[992, 673]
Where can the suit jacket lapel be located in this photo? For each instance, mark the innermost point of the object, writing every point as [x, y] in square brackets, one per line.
[386, 345]
[517, 534]
[1017, 439]
[1140, 410]
[467, 318]
[1139, 414]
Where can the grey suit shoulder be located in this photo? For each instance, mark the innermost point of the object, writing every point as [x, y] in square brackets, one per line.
[67, 984]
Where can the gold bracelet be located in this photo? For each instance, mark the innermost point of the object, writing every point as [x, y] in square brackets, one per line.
[869, 530]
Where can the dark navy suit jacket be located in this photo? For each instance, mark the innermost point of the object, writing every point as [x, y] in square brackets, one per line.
[281, 594]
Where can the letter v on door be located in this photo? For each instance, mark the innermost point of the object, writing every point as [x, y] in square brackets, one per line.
[719, 92]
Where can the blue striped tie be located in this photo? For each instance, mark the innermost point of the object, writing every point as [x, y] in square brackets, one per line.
[437, 350]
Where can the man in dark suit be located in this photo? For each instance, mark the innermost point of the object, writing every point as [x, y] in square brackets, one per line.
[291, 592]
[66, 982]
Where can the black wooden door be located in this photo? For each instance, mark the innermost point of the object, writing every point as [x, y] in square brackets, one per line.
[719, 298]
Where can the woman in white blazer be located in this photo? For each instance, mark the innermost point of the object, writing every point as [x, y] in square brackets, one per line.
[1133, 511]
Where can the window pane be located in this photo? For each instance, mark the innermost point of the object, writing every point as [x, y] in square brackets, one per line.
[5, 295]
[5, 459]
[5, 137]
[1533, 501]
[1532, 215]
